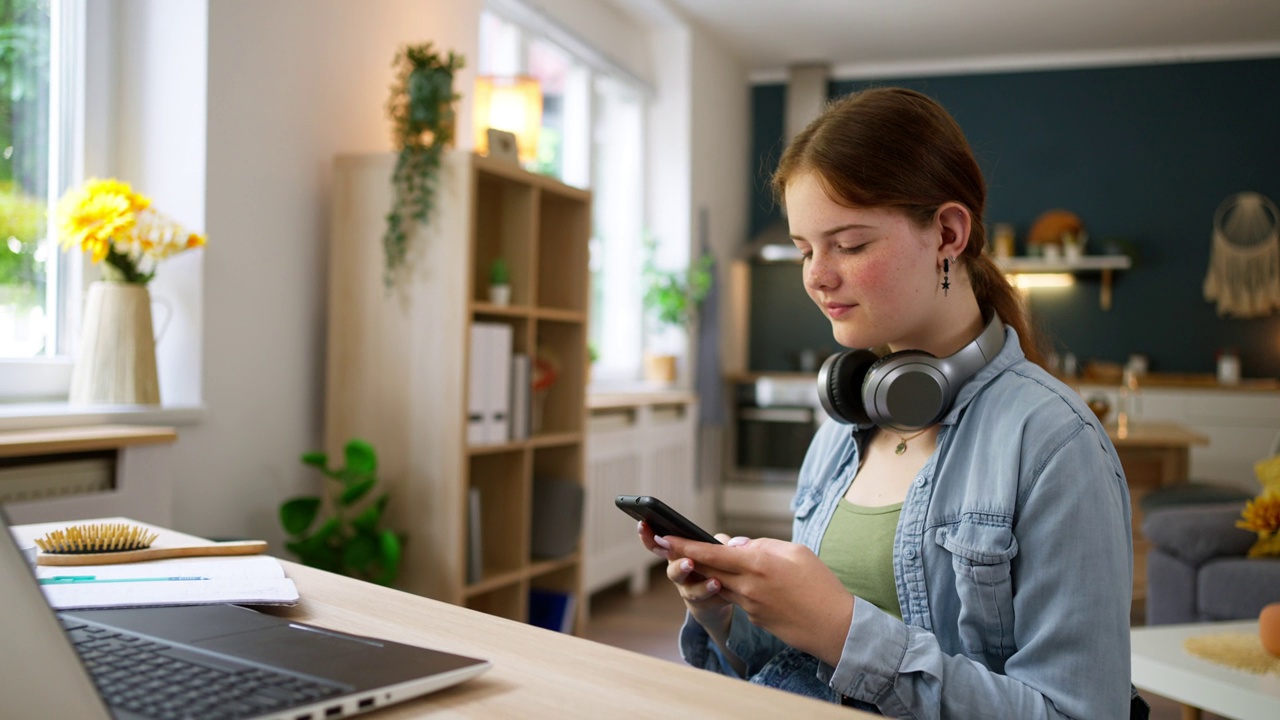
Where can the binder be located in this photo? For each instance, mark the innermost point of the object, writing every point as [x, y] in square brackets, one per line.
[498, 378]
[489, 384]
[477, 399]
[521, 367]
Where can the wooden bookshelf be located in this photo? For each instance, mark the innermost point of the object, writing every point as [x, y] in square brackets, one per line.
[399, 364]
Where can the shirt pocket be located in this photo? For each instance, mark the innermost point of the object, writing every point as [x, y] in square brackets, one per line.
[981, 555]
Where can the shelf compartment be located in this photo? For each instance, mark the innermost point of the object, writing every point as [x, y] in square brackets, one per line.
[504, 517]
[504, 228]
[563, 218]
[563, 405]
[554, 567]
[508, 601]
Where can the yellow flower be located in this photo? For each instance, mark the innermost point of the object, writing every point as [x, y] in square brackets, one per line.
[107, 219]
[1262, 516]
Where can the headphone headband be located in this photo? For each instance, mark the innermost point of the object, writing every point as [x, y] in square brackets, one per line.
[906, 390]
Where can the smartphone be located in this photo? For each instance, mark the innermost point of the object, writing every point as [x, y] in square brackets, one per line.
[661, 518]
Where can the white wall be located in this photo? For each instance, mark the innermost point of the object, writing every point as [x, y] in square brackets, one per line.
[290, 83]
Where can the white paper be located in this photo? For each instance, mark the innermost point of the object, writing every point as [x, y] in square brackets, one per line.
[253, 580]
[244, 579]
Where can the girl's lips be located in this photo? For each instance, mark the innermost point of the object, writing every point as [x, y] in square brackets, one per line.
[835, 310]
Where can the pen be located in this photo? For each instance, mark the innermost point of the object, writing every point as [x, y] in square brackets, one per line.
[78, 579]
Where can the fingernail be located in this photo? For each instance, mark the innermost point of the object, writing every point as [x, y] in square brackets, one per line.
[686, 566]
[661, 541]
[737, 541]
[713, 586]
[640, 526]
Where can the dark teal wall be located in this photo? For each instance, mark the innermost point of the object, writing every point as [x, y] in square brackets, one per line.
[1143, 153]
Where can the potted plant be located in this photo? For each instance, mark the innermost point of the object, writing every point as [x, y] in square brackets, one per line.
[499, 283]
[671, 298]
[350, 540]
[421, 110]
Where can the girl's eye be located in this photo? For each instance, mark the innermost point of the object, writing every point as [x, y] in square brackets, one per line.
[852, 249]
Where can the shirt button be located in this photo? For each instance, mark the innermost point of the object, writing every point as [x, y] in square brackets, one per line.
[920, 482]
[910, 553]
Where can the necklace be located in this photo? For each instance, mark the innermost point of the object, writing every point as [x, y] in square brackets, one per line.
[902, 446]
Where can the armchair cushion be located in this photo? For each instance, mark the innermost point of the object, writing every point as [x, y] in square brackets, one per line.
[1198, 533]
[1230, 589]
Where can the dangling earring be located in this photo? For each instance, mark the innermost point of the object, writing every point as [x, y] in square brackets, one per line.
[946, 278]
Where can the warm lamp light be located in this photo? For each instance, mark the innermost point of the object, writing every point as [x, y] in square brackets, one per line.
[1027, 281]
[513, 104]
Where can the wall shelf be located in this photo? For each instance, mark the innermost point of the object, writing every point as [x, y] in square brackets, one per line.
[1104, 264]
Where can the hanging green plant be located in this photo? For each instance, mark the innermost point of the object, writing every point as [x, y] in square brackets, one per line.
[421, 109]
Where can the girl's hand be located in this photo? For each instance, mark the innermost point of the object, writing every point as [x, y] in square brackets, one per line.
[783, 587]
[700, 593]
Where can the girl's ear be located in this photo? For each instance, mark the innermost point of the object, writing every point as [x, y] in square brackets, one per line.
[954, 221]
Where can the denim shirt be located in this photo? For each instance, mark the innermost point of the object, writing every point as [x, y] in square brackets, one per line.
[1013, 560]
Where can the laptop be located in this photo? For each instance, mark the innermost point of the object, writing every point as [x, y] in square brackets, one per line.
[196, 661]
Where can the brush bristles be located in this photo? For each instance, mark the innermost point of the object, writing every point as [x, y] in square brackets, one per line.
[101, 537]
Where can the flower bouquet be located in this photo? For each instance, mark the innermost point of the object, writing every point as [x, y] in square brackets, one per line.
[112, 223]
[120, 230]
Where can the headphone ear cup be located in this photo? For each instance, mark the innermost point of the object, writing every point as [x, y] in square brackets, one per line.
[905, 391]
[840, 386]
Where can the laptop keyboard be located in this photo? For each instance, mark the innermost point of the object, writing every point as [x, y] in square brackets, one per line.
[159, 681]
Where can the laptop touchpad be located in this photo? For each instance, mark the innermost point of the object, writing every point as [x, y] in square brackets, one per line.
[285, 645]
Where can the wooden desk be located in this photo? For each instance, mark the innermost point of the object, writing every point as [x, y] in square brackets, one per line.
[536, 673]
[1153, 454]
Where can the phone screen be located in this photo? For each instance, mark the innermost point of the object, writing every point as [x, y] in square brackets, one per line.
[661, 518]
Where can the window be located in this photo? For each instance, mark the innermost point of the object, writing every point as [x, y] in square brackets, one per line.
[592, 136]
[27, 262]
[38, 44]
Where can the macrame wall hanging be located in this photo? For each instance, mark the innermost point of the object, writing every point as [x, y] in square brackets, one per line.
[1244, 261]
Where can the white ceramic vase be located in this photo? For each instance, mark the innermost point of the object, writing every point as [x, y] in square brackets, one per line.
[116, 362]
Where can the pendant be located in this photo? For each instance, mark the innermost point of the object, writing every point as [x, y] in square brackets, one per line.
[902, 447]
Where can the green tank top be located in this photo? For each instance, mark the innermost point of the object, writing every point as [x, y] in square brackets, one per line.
[858, 547]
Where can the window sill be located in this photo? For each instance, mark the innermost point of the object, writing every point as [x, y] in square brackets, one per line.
[28, 416]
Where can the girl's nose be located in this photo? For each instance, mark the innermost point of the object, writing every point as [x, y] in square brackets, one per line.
[818, 273]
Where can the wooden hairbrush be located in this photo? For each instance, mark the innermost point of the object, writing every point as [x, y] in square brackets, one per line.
[112, 543]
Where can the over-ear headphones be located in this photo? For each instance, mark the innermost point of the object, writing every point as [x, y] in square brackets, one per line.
[906, 390]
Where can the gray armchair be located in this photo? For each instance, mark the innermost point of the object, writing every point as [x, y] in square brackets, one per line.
[1197, 570]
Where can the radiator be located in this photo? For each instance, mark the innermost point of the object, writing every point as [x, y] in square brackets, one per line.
[634, 450]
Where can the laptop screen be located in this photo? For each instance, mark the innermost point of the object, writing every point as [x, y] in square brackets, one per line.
[40, 673]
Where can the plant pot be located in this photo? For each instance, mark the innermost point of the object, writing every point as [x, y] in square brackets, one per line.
[660, 369]
[116, 362]
[500, 295]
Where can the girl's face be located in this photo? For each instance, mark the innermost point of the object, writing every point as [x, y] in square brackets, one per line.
[871, 270]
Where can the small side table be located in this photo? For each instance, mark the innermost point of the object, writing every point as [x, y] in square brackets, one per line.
[1163, 666]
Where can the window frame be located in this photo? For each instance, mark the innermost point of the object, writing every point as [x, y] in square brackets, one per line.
[78, 90]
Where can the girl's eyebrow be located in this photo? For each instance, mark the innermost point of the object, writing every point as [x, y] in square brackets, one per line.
[841, 228]
[837, 230]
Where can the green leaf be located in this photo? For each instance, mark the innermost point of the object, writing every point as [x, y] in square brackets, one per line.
[360, 553]
[315, 459]
[354, 492]
[330, 529]
[390, 549]
[297, 514]
[361, 457]
[367, 520]
[314, 552]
